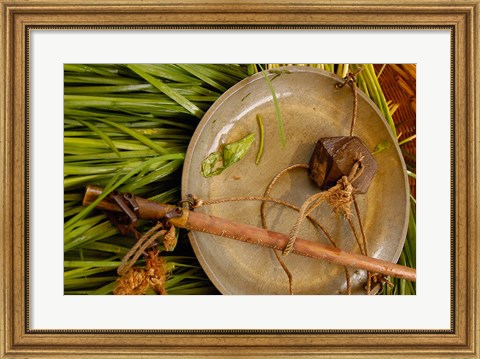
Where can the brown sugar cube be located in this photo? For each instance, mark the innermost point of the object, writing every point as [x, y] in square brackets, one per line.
[333, 157]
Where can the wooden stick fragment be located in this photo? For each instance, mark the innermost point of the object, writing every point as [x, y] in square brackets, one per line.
[197, 221]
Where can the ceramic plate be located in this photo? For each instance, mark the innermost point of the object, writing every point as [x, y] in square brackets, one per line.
[311, 108]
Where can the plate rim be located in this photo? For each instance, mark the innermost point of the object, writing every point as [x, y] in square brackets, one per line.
[219, 102]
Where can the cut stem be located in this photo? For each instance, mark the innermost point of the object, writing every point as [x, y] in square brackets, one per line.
[262, 138]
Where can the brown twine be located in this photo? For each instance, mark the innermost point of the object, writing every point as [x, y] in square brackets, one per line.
[355, 234]
[138, 280]
[202, 203]
[139, 248]
[264, 221]
[339, 197]
[287, 204]
[355, 106]
[364, 238]
[135, 282]
[156, 271]
[265, 199]
[351, 81]
[338, 201]
[374, 278]
[312, 219]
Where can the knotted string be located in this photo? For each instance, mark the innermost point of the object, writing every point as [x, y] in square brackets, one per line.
[135, 280]
[138, 280]
[312, 219]
[195, 202]
[139, 248]
[339, 197]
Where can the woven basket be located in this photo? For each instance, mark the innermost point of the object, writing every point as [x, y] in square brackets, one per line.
[398, 83]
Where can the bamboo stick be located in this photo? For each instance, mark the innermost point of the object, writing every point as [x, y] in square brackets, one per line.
[197, 221]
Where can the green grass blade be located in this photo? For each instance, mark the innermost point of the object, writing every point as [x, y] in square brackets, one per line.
[107, 289]
[138, 136]
[153, 176]
[170, 72]
[182, 101]
[277, 107]
[196, 71]
[90, 264]
[89, 69]
[70, 79]
[83, 272]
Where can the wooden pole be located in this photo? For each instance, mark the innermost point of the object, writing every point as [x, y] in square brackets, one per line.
[197, 221]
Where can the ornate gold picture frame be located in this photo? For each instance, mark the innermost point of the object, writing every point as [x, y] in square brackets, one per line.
[460, 18]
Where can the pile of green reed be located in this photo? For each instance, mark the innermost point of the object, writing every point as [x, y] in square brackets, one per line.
[127, 128]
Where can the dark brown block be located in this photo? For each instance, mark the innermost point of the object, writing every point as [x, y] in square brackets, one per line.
[333, 157]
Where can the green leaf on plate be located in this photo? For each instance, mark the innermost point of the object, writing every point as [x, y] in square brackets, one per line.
[210, 165]
[232, 153]
[235, 151]
[382, 146]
